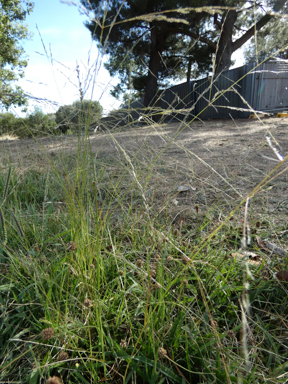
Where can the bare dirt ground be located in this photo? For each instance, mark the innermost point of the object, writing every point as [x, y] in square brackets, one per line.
[218, 160]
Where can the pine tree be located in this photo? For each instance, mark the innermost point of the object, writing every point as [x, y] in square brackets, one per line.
[141, 40]
[271, 41]
[152, 41]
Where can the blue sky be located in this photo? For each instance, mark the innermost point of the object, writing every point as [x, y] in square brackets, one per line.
[64, 35]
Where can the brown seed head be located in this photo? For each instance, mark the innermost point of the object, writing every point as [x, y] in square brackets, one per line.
[185, 260]
[47, 333]
[63, 356]
[152, 273]
[230, 333]
[169, 259]
[71, 246]
[162, 353]
[157, 256]
[54, 380]
[185, 282]
[123, 343]
[139, 263]
[121, 273]
[196, 208]
[87, 303]
[176, 232]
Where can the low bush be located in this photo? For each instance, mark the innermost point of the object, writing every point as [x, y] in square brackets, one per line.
[34, 124]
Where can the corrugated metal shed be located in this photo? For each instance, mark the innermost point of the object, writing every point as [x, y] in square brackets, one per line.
[271, 86]
[235, 93]
[134, 110]
[178, 98]
[227, 95]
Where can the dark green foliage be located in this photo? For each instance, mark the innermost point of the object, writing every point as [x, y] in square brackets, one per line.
[36, 123]
[150, 43]
[12, 59]
[78, 115]
[160, 45]
[8, 123]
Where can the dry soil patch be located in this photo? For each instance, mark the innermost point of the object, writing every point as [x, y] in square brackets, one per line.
[219, 159]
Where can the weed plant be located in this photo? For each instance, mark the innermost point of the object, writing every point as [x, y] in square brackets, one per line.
[105, 279]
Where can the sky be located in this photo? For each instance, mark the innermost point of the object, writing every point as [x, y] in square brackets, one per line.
[61, 43]
[59, 32]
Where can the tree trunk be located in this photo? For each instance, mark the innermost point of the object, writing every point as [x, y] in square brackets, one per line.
[226, 46]
[190, 62]
[157, 41]
[225, 43]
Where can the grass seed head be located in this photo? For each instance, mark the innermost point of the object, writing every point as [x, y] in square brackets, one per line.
[152, 273]
[123, 343]
[230, 333]
[47, 333]
[71, 246]
[63, 356]
[185, 260]
[54, 380]
[162, 353]
[139, 263]
[87, 303]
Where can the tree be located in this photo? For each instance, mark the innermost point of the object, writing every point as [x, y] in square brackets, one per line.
[78, 114]
[12, 60]
[271, 40]
[39, 123]
[143, 47]
[143, 37]
[228, 28]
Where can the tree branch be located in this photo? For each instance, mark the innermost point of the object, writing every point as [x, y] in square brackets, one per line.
[256, 27]
[217, 22]
[193, 35]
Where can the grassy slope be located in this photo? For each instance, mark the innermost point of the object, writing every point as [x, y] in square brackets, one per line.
[92, 268]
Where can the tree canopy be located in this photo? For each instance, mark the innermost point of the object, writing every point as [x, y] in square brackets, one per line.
[12, 58]
[149, 42]
[271, 40]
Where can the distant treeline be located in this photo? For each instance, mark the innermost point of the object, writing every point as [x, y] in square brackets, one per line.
[67, 119]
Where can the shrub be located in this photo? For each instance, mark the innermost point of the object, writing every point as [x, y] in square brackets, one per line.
[36, 123]
[79, 114]
[7, 123]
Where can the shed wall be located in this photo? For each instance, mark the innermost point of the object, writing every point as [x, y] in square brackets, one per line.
[235, 93]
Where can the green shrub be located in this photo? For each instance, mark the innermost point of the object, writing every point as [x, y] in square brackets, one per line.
[7, 123]
[37, 123]
[78, 115]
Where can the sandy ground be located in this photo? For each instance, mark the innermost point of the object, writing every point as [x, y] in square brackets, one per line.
[218, 160]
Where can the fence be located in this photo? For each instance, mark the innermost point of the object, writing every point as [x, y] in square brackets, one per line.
[235, 93]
